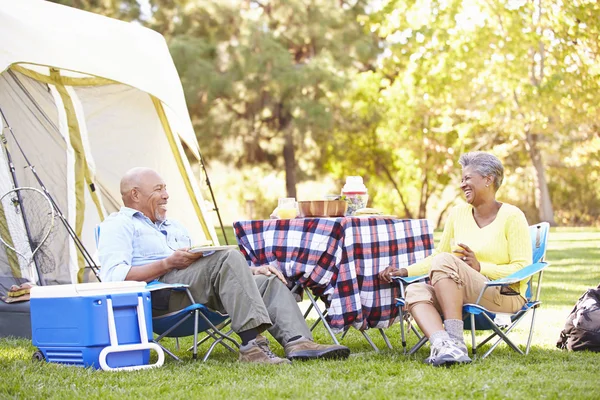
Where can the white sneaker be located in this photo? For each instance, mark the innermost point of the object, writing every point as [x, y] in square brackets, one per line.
[461, 345]
[447, 353]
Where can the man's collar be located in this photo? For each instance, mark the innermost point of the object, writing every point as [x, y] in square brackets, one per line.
[130, 212]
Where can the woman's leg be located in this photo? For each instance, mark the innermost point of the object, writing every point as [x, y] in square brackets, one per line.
[424, 307]
[456, 283]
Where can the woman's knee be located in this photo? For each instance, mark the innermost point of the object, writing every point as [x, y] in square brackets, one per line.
[418, 293]
[443, 266]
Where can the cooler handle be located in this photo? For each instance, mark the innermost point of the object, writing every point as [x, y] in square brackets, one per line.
[116, 348]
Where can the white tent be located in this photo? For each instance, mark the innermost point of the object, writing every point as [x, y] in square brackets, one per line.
[87, 98]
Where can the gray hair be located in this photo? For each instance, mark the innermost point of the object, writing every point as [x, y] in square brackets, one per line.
[484, 164]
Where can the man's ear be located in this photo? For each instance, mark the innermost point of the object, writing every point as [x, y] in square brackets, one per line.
[134, 194]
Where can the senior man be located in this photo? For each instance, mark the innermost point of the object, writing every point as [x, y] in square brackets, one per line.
[139, 243]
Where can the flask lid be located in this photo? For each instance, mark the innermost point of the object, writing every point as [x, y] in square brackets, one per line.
[354, 185]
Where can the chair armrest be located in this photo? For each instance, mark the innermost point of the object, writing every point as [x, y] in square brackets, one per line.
[520, 275]
[156, 285]
[410, 279]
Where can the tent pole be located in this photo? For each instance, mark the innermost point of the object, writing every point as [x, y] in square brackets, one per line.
[212, 196]
[86, 255]
[13, 174]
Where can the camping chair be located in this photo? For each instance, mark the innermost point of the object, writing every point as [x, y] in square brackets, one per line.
[501, 324]
[298, 288]
[195, 318]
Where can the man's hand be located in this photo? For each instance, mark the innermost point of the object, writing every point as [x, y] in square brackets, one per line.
[268, 270]
[181, 259]
[387, 274]
[468, 256]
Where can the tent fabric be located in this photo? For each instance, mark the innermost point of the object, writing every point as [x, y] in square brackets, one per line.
[88, 98]
[81, 43]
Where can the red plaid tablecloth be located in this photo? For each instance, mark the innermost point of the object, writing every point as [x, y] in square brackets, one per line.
[339, 259]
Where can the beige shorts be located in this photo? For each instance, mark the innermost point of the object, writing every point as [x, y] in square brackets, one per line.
[471, 282]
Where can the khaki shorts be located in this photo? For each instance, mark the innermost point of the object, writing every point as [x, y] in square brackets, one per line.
[471, 282]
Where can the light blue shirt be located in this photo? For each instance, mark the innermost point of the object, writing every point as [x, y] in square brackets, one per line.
[128, 239]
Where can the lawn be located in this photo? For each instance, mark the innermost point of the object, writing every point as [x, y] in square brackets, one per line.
[546, 372]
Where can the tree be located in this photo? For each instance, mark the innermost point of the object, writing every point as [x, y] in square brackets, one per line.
[264, 74]
[517, 78]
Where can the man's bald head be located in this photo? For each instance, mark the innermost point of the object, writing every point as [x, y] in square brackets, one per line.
[144, 190]
[133, 178]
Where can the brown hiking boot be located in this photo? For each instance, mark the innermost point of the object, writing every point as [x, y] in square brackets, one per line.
[258, 351]
[304, 349]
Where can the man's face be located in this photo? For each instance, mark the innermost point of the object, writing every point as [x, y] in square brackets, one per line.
[152, 196]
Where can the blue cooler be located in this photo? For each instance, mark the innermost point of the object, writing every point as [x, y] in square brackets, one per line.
[100, 325]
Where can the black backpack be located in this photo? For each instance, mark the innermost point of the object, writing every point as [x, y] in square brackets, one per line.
[582, 329]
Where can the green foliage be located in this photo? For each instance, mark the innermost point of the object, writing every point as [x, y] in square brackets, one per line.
[264, 74]
[394, 90]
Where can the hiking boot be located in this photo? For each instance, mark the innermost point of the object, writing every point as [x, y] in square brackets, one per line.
[305, 349]
[258, 351]
[447, 353]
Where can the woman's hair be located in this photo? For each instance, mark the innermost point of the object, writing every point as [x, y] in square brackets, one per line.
[485, 164]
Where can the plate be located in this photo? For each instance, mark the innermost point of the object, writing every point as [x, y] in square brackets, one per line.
[375, 216]
[206, 249]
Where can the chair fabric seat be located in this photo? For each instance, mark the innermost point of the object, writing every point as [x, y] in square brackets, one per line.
[185, 321]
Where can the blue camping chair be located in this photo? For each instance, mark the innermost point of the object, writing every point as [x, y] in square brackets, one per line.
[193, 319]
[478, 318]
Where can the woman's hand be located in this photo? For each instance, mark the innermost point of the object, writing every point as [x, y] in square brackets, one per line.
[267, 270]
[387, 274]
[468, 256]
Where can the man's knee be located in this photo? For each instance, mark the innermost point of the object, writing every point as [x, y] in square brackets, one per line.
[270, 282]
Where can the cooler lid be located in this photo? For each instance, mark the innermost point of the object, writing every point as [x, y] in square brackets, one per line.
[87, 289]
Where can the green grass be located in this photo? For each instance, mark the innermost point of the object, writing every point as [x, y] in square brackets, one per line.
[546, 372]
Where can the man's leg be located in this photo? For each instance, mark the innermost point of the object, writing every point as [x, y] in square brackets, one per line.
[223, 282]
[284, 313]
[289, 327]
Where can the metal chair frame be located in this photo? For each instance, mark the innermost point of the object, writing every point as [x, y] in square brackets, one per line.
[323, 313]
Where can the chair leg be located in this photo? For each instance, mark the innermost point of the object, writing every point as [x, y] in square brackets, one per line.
[321, 316]
[530, 331]
[419, 344]
[503, 336]
[368, 338]
[195, 353]
[402, 336]
[173, 356]
[385, 339]
[473, 341]
[207, 337]
[312, 328]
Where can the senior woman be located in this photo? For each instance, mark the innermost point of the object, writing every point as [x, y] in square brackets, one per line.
[482, 239]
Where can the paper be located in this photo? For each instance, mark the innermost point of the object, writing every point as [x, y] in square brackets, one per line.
[211, 249]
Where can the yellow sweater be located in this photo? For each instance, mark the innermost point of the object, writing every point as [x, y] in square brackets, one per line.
[502, 247]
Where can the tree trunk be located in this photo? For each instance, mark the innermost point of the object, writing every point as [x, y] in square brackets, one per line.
[289, 157]
[397, 189]
[542, 194]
